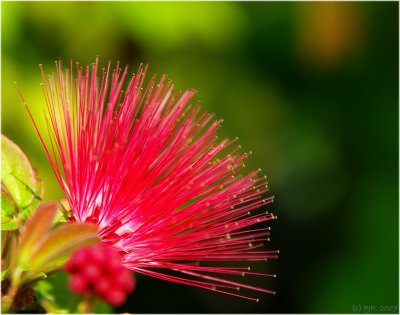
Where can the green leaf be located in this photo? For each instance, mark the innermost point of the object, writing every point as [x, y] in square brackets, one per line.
[18, 175]
[101, 307]
[44, 289]
[9, 224]
[8, 206]
[53, 294]
[39, 190]
[55, 249]
[9, 210]
[21, 191]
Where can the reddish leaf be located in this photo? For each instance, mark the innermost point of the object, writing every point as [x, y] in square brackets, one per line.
[36, 227]
[58, 245]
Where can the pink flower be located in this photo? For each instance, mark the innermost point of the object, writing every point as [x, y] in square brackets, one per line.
[146, 166]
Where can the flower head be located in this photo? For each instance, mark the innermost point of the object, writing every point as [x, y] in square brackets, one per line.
[145, 165]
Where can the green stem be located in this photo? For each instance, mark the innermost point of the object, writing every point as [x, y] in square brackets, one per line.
[14, 285]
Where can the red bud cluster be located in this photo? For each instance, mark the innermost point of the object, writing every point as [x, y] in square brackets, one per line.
[98, 271]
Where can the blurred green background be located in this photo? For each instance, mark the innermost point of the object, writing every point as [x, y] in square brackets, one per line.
[311, 88]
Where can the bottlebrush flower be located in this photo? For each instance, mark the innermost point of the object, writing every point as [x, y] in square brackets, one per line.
[146, 166]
